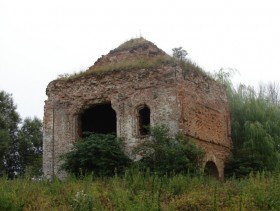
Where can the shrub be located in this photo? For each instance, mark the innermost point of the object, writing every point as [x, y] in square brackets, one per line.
[82, 201]
[101, 154]
[165, 154]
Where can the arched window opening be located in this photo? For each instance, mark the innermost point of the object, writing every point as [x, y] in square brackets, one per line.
[211, 170]
[144, 120]
[100, 118]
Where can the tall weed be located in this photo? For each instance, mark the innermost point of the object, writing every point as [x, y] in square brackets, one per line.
[142, 190]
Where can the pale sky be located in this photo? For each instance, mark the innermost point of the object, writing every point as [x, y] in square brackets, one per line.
[41, 39]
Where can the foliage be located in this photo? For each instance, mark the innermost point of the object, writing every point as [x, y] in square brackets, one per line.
[100, 154]
[20, 145]
[164, 154]
[25, 152]
[9, 120]
[143, 62]
[255, 131]
[255, 123]
[82, 201]
[130, 64]
[141, 190]
[131, 44]
[179, 53]
[223, 76]
[30, 146]
[139, 63]
[189, 66]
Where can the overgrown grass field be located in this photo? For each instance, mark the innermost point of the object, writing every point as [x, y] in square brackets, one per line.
[138, 190]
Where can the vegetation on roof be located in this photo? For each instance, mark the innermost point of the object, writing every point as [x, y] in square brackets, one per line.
[189, 65]
[132, 43]
[131, 64]
[142, 62]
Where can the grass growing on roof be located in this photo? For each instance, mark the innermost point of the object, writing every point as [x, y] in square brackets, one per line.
[137, 63]
[132, 43]
[131, 64]
[189, 65]
[144, 62]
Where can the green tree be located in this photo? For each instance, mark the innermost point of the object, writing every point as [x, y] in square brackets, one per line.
[30, 145]
[179, 53]
[9, 120]
[165, 154]
[255, 127]
[101, 154]
[255, 131]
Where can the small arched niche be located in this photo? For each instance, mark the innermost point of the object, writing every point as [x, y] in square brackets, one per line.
[211, 169]
[99, 118]
[143, 119]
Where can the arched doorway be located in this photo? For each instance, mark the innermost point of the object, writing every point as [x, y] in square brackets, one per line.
[211, 170]
[100, 118]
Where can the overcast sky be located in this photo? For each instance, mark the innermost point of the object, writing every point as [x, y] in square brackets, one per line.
[41, 39]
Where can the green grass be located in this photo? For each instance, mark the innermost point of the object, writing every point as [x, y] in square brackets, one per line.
[131, 64]
[190, 66]
[132, 43]
[144, 62]
[139, 63]
[142, 191]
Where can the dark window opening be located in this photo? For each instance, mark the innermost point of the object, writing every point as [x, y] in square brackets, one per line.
[99, 119]
[144, 120]
[211, 169]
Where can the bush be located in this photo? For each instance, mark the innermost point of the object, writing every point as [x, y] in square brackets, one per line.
[166, 155]
[101, 154]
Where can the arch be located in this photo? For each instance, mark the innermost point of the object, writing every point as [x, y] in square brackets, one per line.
[211, 169]
[99, 118]
[143, 120]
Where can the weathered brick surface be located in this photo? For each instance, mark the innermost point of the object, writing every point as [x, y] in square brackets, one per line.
[192, 104]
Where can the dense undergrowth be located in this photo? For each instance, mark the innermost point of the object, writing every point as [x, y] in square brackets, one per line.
[138, 190]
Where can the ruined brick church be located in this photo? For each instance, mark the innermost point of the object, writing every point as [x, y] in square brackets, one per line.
[134, 86]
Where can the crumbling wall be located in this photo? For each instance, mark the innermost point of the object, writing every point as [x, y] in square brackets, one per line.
[125, 90]
[191, 103]
[205, 117]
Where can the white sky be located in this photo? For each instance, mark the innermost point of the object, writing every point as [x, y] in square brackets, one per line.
[41, 39]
